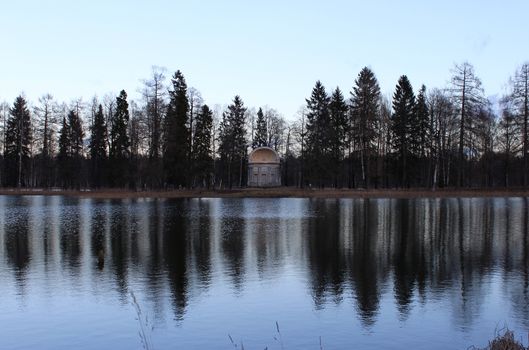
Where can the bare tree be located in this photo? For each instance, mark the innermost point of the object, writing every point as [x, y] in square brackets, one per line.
[443, 126]
[109, 107]
[217, 117]
[300, 134]
[383, 138]
[195, 103]
[484, 131]
[45, 130]
[468, 96]
[46, 115]
[520, 99]
[275, 126]
[250, 123]
[154, 93]
[509, 140]
[4, 115]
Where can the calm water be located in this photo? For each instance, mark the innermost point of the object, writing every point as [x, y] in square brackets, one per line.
[363, 274]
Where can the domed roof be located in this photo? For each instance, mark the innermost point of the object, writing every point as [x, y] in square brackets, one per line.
[263, 155]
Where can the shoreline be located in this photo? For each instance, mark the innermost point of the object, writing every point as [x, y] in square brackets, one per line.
[281, 192]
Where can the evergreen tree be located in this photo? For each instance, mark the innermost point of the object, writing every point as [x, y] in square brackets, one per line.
[232, 137]
[69, 159]
[120, 144]
[318, 134]
[76, 134]
[98, 148]
[420, 126]
[176, 142]
[63, 157]
[76, 147]
[338, 130]
[261, 133]
[18, 139]
[403, 112]
[365, 99]
[203, 160]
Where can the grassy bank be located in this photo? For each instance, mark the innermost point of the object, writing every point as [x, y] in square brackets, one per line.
[280, 192]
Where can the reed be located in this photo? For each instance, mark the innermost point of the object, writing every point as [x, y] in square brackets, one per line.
[143, 320]
[504, 339]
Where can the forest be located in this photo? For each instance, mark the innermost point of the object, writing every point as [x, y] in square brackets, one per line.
[446, 137]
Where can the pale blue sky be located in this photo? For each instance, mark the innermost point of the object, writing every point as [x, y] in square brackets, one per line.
[269, 52]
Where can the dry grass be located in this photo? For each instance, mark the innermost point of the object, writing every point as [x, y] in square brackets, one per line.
[504, 341]
[143, 320]
[279, 192]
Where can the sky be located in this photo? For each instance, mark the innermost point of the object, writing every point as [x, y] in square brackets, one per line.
[268, 52]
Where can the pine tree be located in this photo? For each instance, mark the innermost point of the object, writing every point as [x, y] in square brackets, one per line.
[202, 157]
[98, 148]
[18, 138]
[403, 112]
[261, 134]
[176, 142]
[338, 130]
[365, 99]
[318, 126]
[120, 144]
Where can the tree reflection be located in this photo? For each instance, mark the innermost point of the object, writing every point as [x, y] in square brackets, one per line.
[175, 226]
[357, 251]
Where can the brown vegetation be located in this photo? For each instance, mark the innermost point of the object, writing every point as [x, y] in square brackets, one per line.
[504, 341]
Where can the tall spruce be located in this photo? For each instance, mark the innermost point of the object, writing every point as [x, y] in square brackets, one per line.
[402, 118]
[98, 148]
[70, 154]
[232, 145]
[318, 134]
[261, 132]
[18, 138]
[365, 99]
[76, 147]
[337, 134]
[202, 155]
[120, 144]
[176, 141]
[63, 157]
[420, 126]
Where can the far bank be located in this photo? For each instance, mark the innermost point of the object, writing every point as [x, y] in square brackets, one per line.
[279, 192]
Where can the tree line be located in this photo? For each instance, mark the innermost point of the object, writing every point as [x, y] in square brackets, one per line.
[168, 139]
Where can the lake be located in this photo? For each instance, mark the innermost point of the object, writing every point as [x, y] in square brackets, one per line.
[353, 273]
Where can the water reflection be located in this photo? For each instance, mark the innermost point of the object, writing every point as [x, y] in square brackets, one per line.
[176, 250]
